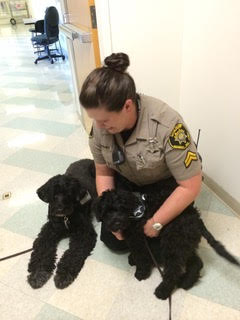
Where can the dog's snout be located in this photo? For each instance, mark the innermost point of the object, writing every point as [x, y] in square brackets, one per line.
[117, 224]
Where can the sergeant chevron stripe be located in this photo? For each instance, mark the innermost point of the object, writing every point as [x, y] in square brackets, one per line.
[191, 156]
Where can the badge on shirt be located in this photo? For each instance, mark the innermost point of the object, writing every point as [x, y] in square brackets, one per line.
[179, 137]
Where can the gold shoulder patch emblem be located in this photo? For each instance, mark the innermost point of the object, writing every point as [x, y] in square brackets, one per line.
[191, 156]
[179, 137]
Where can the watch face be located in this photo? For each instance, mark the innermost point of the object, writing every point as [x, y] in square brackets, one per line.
[157, 226]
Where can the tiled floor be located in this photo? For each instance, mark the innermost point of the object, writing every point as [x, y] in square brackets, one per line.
[40, 136]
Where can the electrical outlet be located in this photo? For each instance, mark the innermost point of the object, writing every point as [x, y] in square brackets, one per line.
[6, 195]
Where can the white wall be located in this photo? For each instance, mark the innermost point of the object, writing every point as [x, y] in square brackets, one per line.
[210, 86]
[150, 32]
[37, 8]
[186, 52]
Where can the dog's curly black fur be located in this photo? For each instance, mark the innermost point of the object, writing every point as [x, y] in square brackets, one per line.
[69, 215]
[175, 249]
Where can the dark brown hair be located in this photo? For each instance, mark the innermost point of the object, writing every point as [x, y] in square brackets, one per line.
[109, 86]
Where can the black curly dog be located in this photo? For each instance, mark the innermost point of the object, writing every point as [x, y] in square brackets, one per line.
[69, 197]
[175, 249]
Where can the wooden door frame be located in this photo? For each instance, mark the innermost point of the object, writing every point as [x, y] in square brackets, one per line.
[94, 32]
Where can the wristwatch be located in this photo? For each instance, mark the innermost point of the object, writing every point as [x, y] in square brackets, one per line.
[157, 226]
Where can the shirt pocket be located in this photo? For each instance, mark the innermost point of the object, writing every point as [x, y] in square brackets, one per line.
[148, 155]
[151, 164]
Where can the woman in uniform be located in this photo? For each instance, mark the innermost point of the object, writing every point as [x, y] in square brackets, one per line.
[142, 139]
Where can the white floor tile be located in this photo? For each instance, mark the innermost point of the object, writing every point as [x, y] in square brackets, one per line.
[200, 309]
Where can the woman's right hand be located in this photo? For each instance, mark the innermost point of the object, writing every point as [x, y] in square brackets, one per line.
[118, 235]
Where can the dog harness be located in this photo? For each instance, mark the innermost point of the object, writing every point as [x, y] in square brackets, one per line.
[139, 212]
[86, 198]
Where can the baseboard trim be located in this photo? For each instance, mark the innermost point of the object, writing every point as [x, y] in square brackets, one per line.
[221, 193]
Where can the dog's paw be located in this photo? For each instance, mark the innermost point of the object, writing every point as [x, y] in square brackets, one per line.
[131, 260]
[38, 279]
[162, 291]
[186, 282]
[142, 274]
[63, 280]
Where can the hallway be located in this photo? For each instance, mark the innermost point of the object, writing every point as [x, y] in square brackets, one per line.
[41, 134]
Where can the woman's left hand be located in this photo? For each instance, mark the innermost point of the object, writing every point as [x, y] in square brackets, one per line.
[148, 229]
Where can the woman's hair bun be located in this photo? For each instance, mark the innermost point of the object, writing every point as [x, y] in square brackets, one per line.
[117, 61]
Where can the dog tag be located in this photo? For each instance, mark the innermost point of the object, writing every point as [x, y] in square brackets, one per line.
[66, 221]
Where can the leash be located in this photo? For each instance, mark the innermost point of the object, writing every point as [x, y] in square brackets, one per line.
[16, 254]
[138, 213]
[160, 271]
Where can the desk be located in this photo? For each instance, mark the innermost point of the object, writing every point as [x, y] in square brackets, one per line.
[29, 21]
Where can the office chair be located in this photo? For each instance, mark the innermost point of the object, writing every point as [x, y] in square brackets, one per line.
[38, 28]
[44, 42]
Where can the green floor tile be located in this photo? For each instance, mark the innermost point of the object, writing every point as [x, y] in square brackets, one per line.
[31, 86]
[28, 220]
[36, 102]
[49, 312]
[53, 128]
[40, 161]
[218, 206]
[220, 282]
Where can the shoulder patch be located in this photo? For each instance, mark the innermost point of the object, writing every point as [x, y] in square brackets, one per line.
[91, 133]
[179, 137]
[191, 156]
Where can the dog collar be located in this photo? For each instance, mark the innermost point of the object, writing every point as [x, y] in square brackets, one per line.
[65, 219]
[86, 198]
[139, 212]
[60, 215]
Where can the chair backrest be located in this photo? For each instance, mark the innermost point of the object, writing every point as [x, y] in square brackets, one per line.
[51, 21]
[39, 26]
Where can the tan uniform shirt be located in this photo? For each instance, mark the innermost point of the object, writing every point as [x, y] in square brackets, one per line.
[159, 147]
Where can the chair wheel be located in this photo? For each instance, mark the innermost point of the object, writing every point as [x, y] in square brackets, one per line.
[63, 58]
[35, 61]
[13, 21]
[52, 61]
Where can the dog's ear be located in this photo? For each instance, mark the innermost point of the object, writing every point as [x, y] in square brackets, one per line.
[97, 208]
[44, 191]
[76, 189]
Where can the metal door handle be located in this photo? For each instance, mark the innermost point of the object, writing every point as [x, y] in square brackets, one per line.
[72, 32]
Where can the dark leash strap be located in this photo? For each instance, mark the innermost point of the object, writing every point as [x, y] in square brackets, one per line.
[16, 254]
[160, 271]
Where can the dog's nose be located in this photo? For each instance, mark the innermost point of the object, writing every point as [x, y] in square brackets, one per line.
[117, 224]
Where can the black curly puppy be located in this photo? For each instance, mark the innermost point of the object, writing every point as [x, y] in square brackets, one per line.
[69, 197]
[175, 247]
